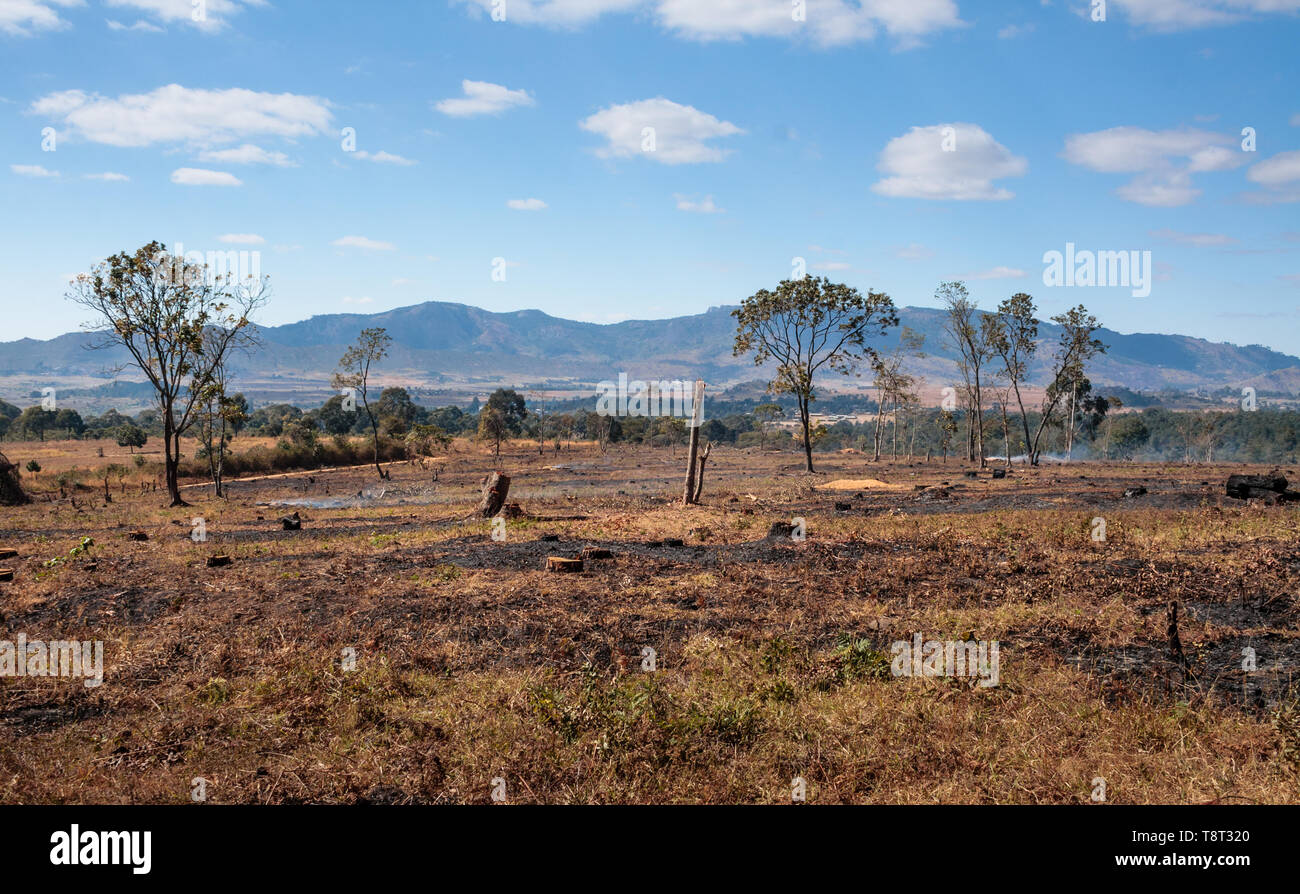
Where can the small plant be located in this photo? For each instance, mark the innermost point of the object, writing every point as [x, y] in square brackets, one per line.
[33, 466]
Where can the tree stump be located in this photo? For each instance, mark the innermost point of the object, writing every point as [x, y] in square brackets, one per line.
[6, 574]
[495, 490]
[137, 536]
[292, 522]
[8, 554]
[561, 565]
[219, 561]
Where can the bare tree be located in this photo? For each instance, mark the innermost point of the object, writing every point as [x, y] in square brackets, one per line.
[966, 335]
[893, 386]
[178, 323]
[354, 374]
[806, 325]
[1012, 334]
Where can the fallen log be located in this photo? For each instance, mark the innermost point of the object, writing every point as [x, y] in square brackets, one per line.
[6, 574]
[563, 566]
[1245, 487]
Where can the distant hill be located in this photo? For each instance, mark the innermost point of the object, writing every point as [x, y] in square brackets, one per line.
[454, 347]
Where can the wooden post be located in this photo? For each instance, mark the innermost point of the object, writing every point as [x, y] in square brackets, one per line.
[692, 455]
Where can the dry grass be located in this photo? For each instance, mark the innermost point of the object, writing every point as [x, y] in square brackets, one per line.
[772, 656]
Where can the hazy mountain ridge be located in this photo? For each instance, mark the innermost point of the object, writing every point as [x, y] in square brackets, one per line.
[447, 343]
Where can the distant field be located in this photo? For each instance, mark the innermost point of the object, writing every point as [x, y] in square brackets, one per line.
[771, 656]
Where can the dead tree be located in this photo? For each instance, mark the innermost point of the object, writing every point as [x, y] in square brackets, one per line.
[699, 475]
[691, 494]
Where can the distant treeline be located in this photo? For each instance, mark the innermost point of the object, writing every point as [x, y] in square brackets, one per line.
[1153, 433]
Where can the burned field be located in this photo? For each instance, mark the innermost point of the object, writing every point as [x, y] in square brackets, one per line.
[400, 648]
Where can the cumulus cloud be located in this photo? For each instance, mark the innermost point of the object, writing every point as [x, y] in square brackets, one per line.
[176, 114]
[1177, 15]
[385, 158]
[363, 243]
[704, 206]
[241, 239]
[32, 171]
[212, 15]
[1279, 176]
[247, 154]
[483, 98]
[109, 177]
[660, 130]
[1163, 161]
[140, 25]
[947, 161]
[824, 22]
[526, 204]
[204, 177]
[23, 18]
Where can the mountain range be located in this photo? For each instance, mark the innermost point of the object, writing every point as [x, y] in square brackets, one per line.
[449, 348]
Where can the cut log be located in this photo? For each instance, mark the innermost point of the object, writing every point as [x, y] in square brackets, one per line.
[999, 473]
[495, 490]
[138, 536]
[219, 561]
[6, 574]
[8, 553]
[595, 552]
[292, 522]
[561, 565]
[1244, 487]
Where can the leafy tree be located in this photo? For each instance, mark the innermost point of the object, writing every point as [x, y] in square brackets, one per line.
[511, 406]
[1077, 345]
[1130, 434]
[806, 325]
[177, 322]
[493, 428]
[131, 435]
[354, 373]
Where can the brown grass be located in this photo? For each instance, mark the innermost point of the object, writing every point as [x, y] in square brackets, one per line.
[772, 656]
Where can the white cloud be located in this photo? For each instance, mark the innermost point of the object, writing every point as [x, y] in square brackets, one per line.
[1162, 160]
[825, 22]
[913, 251]
[384, 158]
[176, 114]
[1199, 240]
[247, 154]
[921, 167]
[482, 98]
[526, 204]
[203, 177]
[1011, 32]
[109, 177]
[832, 266]
[140, 25]
[705, 206]
[1280, 177]
[995, 273]
[1175, 15]
[215, 13]
[23, 17]
[32, 171]
[661, 130]
[363, 243]
[348, 299]
[241, 239]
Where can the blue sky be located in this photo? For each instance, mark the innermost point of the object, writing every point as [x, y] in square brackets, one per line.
[774, 139]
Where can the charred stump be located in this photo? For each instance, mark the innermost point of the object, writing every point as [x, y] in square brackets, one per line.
[11, 491]
[495, 490]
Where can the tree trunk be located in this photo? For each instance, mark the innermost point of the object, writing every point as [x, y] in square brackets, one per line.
[693, 452]
[495, 491]
[807, 431]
